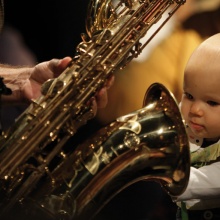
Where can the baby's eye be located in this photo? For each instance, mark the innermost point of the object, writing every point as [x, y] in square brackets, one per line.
[212, 103]
[188, 96]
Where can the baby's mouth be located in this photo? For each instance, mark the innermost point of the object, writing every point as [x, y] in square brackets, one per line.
[196, 126]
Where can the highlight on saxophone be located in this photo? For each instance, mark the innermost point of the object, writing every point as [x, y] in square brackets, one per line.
[41, 177]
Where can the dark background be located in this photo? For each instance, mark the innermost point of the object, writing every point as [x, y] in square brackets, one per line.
[50, 28]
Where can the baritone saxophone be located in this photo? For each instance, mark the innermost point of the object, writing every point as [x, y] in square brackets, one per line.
[34, 147]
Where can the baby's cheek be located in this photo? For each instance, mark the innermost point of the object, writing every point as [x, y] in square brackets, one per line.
[214, 123]
[184, 112]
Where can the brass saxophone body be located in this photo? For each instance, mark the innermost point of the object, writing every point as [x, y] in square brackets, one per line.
[39, 135]
[148, 144]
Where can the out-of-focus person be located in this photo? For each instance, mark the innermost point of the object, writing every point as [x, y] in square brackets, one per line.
[13, 51]
[164, 58]
[24, 76]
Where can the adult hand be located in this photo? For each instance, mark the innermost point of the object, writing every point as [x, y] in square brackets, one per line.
[26, 82]
[100, 100]
[41, 73]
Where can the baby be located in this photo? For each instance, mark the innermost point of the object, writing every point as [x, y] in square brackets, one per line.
[200, 107]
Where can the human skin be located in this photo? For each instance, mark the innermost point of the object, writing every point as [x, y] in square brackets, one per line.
[26, 82]
[200, 104]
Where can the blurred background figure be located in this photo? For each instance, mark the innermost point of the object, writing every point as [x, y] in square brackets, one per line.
[13, 51]
[55, 31]
[164, 58]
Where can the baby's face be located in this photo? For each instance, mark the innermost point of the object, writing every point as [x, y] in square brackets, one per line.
[200, 104]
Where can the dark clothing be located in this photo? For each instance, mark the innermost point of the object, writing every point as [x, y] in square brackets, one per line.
[209, 214]
[1, 14]
[208, 19]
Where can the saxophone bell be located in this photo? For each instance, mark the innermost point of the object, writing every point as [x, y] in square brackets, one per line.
[148, 144]
[38, 171]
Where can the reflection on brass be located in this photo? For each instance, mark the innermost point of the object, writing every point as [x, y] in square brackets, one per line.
[159, 151]
[37, 171]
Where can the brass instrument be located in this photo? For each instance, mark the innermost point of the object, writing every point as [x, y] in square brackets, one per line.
[39, 135]
[148, 144]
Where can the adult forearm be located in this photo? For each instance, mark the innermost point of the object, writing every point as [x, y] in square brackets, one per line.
[14, 78]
